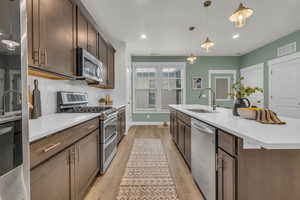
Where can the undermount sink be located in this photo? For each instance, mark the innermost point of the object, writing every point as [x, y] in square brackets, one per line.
[201, 111]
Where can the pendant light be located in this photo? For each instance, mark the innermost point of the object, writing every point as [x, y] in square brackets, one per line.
[240, 16]
[207, 44]
[191, 59]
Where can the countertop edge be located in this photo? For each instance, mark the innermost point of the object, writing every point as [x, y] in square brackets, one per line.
[262, 144]
[59, 129]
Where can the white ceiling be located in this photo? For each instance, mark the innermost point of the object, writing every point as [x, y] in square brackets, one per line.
[166, 24]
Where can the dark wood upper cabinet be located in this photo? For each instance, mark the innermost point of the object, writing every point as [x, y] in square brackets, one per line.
[55, 29]
[51, 44]
[82, 30]
[111, 67]
[92, 45]
[102, 50]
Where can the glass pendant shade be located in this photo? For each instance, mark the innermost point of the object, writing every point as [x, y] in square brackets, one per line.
[191, 59]
[207, 44]
[240, 16]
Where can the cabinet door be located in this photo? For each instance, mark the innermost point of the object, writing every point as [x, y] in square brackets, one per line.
[172, 124]
[111, 68]
[226, 182]
[56, 23]
[102, 51]
[124, 123]
[87, 162]
[92, 40]
[187, 145]
[52, 179]
[181, 136]
[82, 30]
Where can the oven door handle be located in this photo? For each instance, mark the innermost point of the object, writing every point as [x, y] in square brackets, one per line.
[109, 120]
[111, 139]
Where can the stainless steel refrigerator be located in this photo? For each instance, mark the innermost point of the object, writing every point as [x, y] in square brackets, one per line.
[14, 157]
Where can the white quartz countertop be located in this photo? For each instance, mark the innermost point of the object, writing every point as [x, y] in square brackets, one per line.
[50, 124]
[255, 134]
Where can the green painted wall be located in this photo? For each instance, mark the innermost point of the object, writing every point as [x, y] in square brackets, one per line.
[200, 68]
[266, 53]
[260, 55]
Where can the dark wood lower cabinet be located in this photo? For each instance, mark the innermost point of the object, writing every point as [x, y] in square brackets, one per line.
[121, 124]
[52, 179]
[226, 181]
[68, 174]
[187, 144]
[87, 163]
[181, 133]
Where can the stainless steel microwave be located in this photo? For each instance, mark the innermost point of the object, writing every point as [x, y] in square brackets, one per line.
[89, 67]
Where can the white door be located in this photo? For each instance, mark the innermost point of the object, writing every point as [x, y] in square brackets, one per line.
[254, 77]
[285, 87]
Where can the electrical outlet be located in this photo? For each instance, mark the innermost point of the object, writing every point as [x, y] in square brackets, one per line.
[148, 116]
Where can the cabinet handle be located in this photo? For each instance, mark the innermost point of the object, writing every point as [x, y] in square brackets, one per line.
[36, 56]
[51, 147]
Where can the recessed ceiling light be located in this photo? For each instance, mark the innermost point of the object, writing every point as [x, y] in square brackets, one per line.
[236, 36]
[143, 36]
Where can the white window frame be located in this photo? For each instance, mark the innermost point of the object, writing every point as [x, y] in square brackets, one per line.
[158, 96]
[228, 91]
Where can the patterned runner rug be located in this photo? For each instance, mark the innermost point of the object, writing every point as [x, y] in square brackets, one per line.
[147, 175]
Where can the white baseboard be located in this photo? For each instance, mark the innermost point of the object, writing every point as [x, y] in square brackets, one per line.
[146, 123]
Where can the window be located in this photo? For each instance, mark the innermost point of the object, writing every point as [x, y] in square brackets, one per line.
[157, 85]
[222, 88]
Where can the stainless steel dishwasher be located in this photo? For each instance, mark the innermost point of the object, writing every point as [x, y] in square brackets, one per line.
[203, 158]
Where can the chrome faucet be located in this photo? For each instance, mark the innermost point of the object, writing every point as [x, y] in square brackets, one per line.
[4, 99]
[213, 97]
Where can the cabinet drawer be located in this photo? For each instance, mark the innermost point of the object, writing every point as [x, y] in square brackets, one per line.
[183, 117]
[49, 146]
[227, 142]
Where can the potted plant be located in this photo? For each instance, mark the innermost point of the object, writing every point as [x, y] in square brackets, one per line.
[240, 93]
[102, 101]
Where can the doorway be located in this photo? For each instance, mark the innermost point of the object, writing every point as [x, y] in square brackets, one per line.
[221, 81]
[254, 77]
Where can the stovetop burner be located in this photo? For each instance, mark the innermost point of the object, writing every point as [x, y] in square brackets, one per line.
[76, 102]
[90, 109]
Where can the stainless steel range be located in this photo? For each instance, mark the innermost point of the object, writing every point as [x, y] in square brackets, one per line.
[77, 102]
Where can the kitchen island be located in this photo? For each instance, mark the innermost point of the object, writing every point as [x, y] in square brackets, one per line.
[253, 160]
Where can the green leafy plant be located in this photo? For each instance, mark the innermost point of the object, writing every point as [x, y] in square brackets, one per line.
[242, 91]
[102, 101]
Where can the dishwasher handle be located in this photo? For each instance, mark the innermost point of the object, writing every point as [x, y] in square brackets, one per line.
[203, 127]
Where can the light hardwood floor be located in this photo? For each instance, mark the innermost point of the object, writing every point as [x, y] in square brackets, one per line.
[106, 187]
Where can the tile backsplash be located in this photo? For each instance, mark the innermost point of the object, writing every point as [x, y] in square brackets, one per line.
[48, 89]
